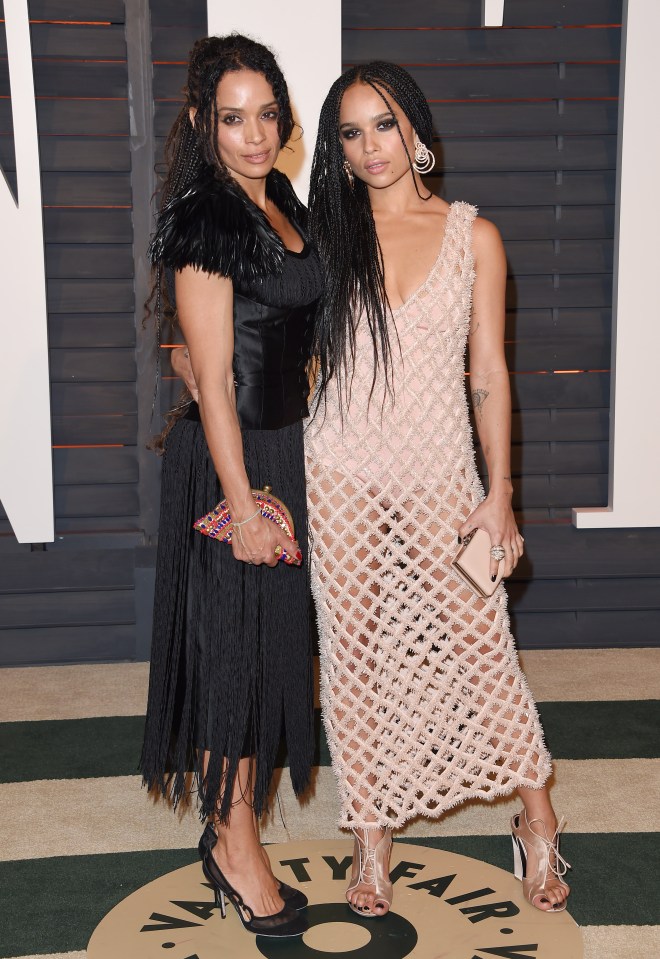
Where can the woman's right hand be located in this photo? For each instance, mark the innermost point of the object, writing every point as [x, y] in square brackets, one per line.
[256, 542]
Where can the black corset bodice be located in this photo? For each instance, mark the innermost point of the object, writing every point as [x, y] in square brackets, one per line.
[212, 225]
[273, 325]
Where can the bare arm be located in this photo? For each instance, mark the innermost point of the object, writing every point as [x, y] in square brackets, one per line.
[180, 360]
[491, 396]
[205, 308]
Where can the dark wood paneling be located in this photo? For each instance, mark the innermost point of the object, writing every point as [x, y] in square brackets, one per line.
[75, 41]
[75, 117]
[564, 595]
[59, 571]
[86, 189]
[618, 628]
[79, 261]
[168, 13]
[165, 114]
[538, 222]
[111, 11]
[565, 291]
[562, 426]
[373, 13]
[525, 13]
[67, 644]
[90, 296]
[96, 501]
[173, 43]
[102, 79]
[526, 153]
[409, 46]
[597, 553]
[90, 466]
[527, 189]
[550, 458]
[115, 399]
[560, 256]
[84, 154]
[559, 353]
[109, 428]
[517, 81]
[92, 366]
[560, 390]
[525, 119]
[560, 491]
[72, 608]
[87, 226]
[91, 330]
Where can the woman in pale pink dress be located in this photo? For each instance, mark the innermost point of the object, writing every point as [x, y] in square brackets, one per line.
[424, 701]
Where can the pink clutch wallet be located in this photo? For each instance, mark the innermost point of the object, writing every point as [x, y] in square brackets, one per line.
[472, 563]
[217, 523]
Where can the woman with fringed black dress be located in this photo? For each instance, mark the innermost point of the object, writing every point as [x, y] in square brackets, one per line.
[231, 665]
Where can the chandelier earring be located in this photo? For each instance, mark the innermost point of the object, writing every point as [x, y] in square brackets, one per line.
[349, 174]
[424, 160]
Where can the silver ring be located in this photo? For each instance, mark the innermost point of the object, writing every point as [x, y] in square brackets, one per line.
[498, 553]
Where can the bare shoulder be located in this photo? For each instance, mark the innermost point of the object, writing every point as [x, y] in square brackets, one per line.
[486, 241]
[485, 235]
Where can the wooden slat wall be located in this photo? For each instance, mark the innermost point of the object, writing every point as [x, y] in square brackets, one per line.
[68, 601]
[527, 130]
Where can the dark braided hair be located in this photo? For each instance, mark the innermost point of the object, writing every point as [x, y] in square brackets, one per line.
[189, 149]
[342, 226]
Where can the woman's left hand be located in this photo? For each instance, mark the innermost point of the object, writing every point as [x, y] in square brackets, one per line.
[495, 516]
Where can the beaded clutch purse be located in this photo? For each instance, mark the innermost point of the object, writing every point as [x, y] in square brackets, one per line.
[217, 523]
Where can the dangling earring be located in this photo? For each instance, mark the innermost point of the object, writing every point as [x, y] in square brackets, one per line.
[349, 174]
[424, 160]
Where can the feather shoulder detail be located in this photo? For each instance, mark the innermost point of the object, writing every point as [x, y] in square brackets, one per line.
[213, 226]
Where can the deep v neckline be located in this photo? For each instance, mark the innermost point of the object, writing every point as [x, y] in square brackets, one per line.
[432, 271]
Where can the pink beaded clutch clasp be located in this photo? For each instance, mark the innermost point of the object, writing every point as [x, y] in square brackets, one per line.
[217, 523]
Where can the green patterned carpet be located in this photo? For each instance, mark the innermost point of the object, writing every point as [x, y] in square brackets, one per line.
[79, 834]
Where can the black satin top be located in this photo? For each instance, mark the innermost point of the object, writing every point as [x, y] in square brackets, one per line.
[273, 326]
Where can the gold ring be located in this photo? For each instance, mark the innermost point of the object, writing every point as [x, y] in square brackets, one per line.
[278, 550]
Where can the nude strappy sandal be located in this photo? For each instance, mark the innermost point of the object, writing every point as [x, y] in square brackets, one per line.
[371, 868]
[550, 862]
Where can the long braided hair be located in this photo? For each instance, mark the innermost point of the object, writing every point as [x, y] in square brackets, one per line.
[189, 149]
[342, 226]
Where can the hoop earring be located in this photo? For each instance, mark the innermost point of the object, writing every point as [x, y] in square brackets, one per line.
[349, 174]
[424, 160]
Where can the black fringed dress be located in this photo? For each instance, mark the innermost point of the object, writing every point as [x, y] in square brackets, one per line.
[231, 659]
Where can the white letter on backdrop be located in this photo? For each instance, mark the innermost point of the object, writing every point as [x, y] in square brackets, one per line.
[635, 416]
[492, 13]
[306, 38]
[26, 472]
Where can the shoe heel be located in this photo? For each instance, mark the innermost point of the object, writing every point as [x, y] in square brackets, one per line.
[220, 902]
[517, 860]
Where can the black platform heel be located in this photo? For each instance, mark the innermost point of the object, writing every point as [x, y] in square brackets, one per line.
[286, 922]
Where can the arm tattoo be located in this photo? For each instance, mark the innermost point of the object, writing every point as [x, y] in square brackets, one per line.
[479, 397]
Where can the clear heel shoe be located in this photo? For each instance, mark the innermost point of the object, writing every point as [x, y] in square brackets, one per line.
[550, 864]
[371, 868]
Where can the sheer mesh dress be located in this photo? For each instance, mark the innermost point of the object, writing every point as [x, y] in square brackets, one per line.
[424, 701]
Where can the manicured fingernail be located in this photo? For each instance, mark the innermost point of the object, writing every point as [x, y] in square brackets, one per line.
[460, 540]
[493, 578]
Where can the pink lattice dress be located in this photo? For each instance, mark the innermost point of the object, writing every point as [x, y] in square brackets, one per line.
[424, 701]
